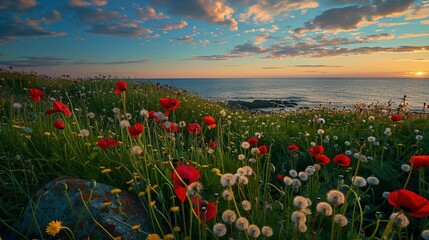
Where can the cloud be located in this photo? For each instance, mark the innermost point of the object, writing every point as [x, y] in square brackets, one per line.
[205, 42]
[349, 1]
[84, 62]
[261, 38]
[213, 57]
[383, 36]
[413, 35]
[247, 49]
[420, 60]
[419, 12]
[17, 5]
[149, 13]
[184, 39]
[130, 30]
[317, 66]
[268, 68]
[266, 10]
[213, 11]
[274, 28]
[96, 15]
[424, 21]
[172, 26]
[152, 37]
[35, 62]
[394, 24]
[83, 3]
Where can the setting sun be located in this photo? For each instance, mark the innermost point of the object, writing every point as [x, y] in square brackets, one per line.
[419, 74]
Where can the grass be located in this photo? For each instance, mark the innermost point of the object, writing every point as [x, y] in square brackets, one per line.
[33, 152]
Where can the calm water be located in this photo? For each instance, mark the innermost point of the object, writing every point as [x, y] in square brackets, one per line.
[310, 91]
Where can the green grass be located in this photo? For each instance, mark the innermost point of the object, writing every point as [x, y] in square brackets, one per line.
[33, 152]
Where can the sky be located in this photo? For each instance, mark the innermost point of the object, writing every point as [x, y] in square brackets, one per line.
[216, 38]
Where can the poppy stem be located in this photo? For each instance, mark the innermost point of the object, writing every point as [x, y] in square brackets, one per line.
[409, 173]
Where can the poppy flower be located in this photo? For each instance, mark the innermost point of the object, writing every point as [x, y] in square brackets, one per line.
[194, 128]
[212, 144]
[136, 130]
[293, 148]
[419, 161]
[188, 174]
[153, 115]
[120, 87]
[322, 159]
[206, 214]
[170, 127]
[169, 104]
[105, 143]
[396, 117]
[262, 150]
[58, 124]
[210, 121]
[59, 107]
[316, 150]
[35, 94]
[412, 203]
[280, 177]
[342, 160]
[252, 141]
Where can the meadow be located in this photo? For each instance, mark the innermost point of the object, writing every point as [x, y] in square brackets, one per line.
[212, 172]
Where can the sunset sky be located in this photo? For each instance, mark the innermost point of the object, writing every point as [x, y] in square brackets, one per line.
[216, 38]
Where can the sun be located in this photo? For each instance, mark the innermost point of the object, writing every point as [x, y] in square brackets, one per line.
[419, 74]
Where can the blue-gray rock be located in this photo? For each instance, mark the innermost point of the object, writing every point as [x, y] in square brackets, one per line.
[61, 199]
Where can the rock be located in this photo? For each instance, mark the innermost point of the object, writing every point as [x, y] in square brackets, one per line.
[258, 104]
[61, 200]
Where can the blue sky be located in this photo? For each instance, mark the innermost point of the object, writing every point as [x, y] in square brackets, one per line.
[216, 38]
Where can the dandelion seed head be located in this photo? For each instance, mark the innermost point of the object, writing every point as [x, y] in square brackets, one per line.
[84, 133]
[17, 105]
[309, 170]
[373, 180]
[241, 157]
[300, 202]
[91, 115]
[243, 180]
[255, 151]
[336, 197]
[405, 167]
[302, 227]
[371, 139]
[293, 173]
[267, 231]
[229, 216]
[348, 152]
[419, 137]
[222, 113]
[227, 195]
[321, 121]
[341, 220]
[116, 110]
[228, 179]
[242, 223]
[347, 143]
[303, 176]
[324, 208]
[296, 183]
[245, 145]
[298, 217]
[425, 234]
[144, 113]
[136, 150]
[246, 205]
[247, 170]
[399, 219]
[359, 181]
[124, 124]
[253, 231]
[219, 229]
[287, 180]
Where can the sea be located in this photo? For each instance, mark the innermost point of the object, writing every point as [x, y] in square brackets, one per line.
[309, 92]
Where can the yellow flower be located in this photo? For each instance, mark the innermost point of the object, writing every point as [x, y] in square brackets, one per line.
[17, 126]
[106, 170]
[168, 236]
[152, 203]
[118, 238]
[215, 170]
[47, 134]
[116, 191]
[174, 209]
[129, 182]
[102, 167]
[176, 229]
[106, 204]
[54, 227]
[153, 236]
[141, 194]
[135, 227]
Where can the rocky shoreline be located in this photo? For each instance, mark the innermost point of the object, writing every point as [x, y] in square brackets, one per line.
[261, 104]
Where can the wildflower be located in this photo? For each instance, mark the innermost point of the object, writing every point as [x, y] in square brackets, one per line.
[253, 231]
[324, 208]
[371, 139]
[107, 170]
[296, 183]
[212, 144]
[174, 209]
[412, 203]
[396, 118]
[187, 174]
[419, 161]
[373, 180]
[210, 121]
[124, 124]
[194, 189]
[300, 202]
[342, 160]
[255, 151]
[194, 128]
[371, 118]
[298, 217]
[242, 223]
[267, 231]
[106, 204]
[58, 124]
[253, 141]
[136, 150]
[303, 176]
[316, 150]
[320, 131]
[222, 113]
[321, 121]
[425, 233]
[120, 86]
[246, 205]
[322, 159]
[169, 126]
[336, 197]
[84, 133]
[153, 236]
[419, 137]
[293, 173]
[136, 130]
[241, 157]
[243, 180]
[227, 195]
[205, 211]
[115, 191]
[116, 110]
[17, 105]
[59, 107]
[137, 226]
[229, 216]
[35, 94]
[287, 180]
[228, 179]
[168, 236]
[105, 143]
[359, 181]
[309, 170]
[219, 229]
[262, 150]
[54, 228]
[169, 104]
[341, 220]
[293, 148]
[152, 114]
[245, 145]
[399, 219]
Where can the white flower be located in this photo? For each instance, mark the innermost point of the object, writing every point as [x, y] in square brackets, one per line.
[242, 223]
[17, 105]
[347, 143]
[320, 131]
[371, 118]
[241, 157]
[229, 216]
[227, 179]
[255, 151]
[348, 152]
[144, 113]
[258, 134]
[419, 137]
[222, 113]
[405, 167]
[246, 205]
[124, 124]
[182, 124]
[84, 133]
[116, 110]
[245, 145]
[287, 180]
[371, 139]
[313, 144]
[91, 115]
[373, 180]
[359, 181]
[219, 229]
[321, 121]
[136, 150]
[385, 194]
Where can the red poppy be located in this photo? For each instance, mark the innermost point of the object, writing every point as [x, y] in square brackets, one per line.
[120, 87]
[59, 107]
[105, 143]
[262, 150]
[188, 174]
[316, 150]
[412, 203]
[342, 160]
[169, 104]
[206, 214]
[210, 121]
[322, 159]
[58, 124]
[212, 144]
[419, 161]
[170, 127]
[35, 94]
[136, 130]
[396, 117]
[293, 148]
[152, 115]
[252, 141]
[280, 177]
[194, 128]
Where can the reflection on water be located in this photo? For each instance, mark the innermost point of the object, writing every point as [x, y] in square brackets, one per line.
[309, 92]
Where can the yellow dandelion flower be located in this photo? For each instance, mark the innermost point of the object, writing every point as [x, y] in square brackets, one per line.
[106, 204]
[118, 238]
[47, 134]
[129, 182]
[54, 227]
[168, 236]
[130, 189]
[152, 203]
[106, 170]
[88, 144]
[176, 229]
[116, 191]
[100, 137]
[216, 170]
[205, 166]
[27, 136]
[135, 227]
[102, 167]
[141, 194]
[74, 123]
[219, 174]
[174, 209]
[153, 236]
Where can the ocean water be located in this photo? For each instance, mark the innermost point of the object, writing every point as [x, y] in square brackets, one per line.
[309, 92]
